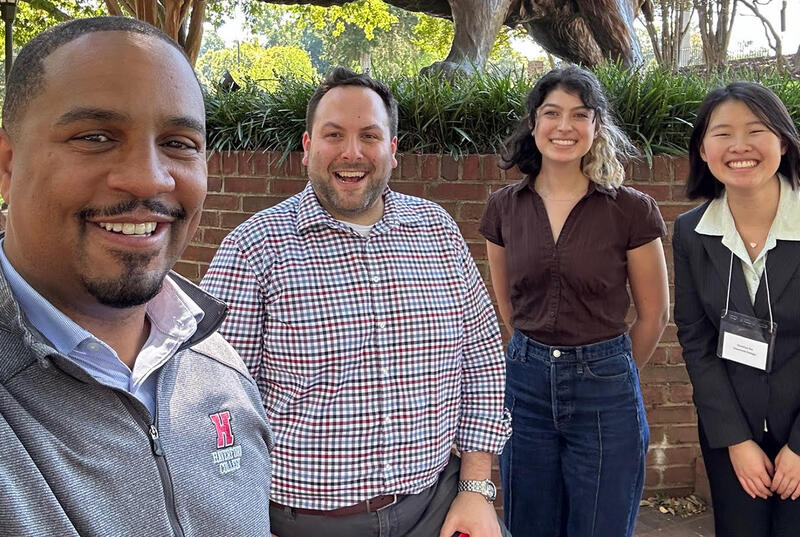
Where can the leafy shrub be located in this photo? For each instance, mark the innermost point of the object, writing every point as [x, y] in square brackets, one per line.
[473, 114]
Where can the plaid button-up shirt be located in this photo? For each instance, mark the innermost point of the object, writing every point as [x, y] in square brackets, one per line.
[373, 354]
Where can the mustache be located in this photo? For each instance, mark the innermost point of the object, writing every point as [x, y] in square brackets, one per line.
[123, 207]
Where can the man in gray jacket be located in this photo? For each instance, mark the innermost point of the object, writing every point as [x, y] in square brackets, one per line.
[122, 411]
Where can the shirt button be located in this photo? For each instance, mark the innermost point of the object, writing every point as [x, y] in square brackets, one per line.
[556, 353]
[385, 371]
[93, 347]
[381, 324]
[387, 467]
[376, 279]
[387, 419]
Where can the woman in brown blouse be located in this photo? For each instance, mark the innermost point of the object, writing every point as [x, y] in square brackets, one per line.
[563, 244]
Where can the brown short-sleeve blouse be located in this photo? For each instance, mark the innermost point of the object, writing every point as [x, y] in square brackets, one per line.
[573, 292]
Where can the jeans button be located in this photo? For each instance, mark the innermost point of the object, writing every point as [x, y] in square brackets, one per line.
[556, 353]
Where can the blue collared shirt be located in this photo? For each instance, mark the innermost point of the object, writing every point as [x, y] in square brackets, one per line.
[173, 319]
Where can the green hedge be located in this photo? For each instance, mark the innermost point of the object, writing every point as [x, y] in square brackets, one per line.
[474, 114]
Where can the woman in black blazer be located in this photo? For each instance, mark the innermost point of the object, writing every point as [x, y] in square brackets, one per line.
[737, 273]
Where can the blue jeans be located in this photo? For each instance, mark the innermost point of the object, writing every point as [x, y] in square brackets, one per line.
[574, 466]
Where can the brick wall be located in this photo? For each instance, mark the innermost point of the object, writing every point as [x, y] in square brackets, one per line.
[243, 183]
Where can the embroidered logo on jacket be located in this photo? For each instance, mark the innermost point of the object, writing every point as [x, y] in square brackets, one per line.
[227, 456]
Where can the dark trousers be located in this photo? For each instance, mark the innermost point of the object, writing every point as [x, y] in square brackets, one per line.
[417, 515]
[574, 466]
[736, 514]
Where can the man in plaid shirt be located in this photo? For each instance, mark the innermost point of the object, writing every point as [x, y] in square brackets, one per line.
[366, 324]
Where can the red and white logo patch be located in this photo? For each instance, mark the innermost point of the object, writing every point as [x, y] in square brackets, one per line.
[222, 421]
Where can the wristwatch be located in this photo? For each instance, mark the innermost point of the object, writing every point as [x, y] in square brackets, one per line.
[485, 488]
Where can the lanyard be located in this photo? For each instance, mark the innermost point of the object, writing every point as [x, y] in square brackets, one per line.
[766, 281]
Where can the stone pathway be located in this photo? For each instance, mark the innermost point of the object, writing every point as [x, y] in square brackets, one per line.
[651, 523]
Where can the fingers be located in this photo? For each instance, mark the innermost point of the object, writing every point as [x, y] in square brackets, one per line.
[796, 491]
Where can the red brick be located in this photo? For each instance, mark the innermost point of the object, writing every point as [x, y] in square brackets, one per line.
[657, 192]
[209, 218]
[245, 163]
[254, 204]
[213, 163]
[231, 220]
[471, 211]
[670, 334]
[652, 477]
[512, 174]
[214, 184]
[203, 268]
[449, 168]
[675, 355]
[287, 187]
[430, 167]
[409, 163]
[662, 169]
[459, 191]
[221, 201]
[255, 185]
[491, 171]
[653, 395]
[187, 269]
[470, 230]
[478, 250]
[680, 393]
[663, 373]
[682, 434]
[471, 168]
[679, 194]
[410, 188]
[670, 211]
[672, 456]
[260, 163]
[681, 170]
[640, 172]
[296, 168]
[278, 166]
[199, 253]
[659, 356]
[678, 475]
[213, 235]
[671, 414]
[228, 163]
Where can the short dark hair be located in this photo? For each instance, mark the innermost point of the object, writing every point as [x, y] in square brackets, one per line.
[769, 109]
[342, 76]
[520, 148]
[26, 79]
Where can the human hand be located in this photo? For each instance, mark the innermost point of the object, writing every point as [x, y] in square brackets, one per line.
[786, 481]
[753, 468]
[470, 513]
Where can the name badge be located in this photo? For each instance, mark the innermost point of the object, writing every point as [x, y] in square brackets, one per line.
[746, 340]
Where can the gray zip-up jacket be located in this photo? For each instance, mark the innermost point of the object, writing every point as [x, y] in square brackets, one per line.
[79, 458]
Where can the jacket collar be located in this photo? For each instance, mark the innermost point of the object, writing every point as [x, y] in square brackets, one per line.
[33, 346]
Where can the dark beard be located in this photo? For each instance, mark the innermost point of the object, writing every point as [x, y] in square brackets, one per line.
[136, 285]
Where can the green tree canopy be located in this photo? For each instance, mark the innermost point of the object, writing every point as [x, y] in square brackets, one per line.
[252, 62]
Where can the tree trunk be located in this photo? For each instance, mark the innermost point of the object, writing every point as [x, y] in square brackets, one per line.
[716, 20]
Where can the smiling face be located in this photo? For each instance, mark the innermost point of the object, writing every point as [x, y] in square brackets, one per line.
[564, 128]
[105, 173]
[739, 149]
[350, 154]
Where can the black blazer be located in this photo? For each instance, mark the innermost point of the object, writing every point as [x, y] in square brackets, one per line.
[733, 400]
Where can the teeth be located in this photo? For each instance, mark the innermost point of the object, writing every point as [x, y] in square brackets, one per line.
[351, 174]
[129, 228]
[564, 142]
[742, 164]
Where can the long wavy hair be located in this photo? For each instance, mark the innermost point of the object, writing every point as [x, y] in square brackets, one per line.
[603, 163]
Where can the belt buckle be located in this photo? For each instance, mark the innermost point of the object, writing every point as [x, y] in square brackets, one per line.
[394, 501]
